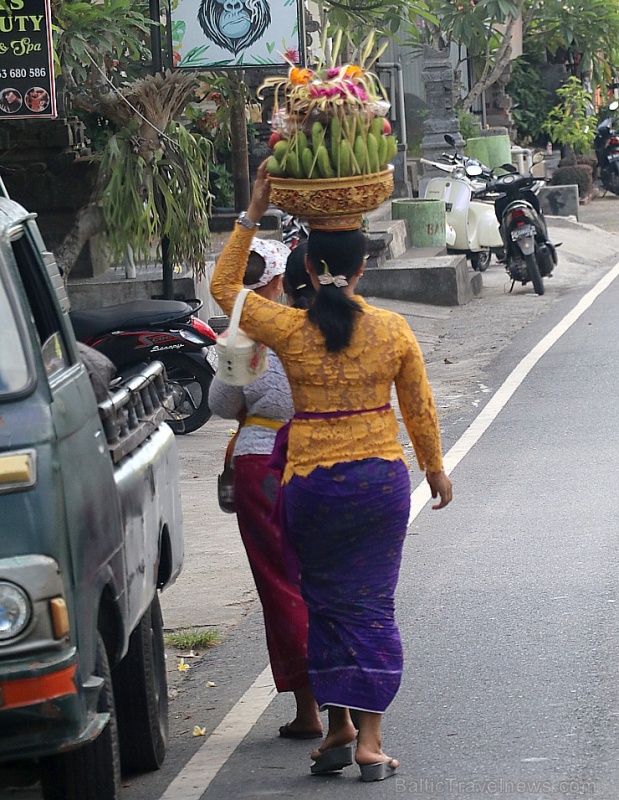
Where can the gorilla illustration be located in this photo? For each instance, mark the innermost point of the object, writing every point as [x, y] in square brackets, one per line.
[234, 24]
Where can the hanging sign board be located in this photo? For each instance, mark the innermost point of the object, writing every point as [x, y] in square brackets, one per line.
[26, 61]
[220, 34]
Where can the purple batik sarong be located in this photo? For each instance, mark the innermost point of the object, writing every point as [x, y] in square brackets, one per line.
[347, 525]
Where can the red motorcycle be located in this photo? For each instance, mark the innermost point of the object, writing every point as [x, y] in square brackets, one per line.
[135, 333]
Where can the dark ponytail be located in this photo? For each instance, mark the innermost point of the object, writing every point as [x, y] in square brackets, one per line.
[333, 312]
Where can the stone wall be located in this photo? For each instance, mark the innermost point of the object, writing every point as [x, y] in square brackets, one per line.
[47, 169]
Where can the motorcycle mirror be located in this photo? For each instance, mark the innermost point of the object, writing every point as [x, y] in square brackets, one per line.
[614, 105]
[474, 169]
[508, 168]
[537, 158]
[450, 140]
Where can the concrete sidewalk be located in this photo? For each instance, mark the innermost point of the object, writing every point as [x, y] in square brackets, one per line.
[215, 589]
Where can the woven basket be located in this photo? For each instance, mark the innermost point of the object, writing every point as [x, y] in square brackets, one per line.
[332, 203]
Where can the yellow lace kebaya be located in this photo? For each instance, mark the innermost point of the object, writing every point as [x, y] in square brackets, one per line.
[383, 351]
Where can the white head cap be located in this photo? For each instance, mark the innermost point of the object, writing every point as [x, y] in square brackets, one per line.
[275, 255]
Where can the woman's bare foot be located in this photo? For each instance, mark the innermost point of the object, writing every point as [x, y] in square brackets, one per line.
[372, 756]
[341, 731]
[369, 743]
[300, 729]
[340, 738]
[307, 719]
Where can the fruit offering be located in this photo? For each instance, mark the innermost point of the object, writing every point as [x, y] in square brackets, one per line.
[331, 124]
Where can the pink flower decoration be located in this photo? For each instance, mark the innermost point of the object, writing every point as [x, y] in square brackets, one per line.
[292, 55]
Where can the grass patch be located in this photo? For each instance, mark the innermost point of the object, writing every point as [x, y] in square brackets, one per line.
[190, 638]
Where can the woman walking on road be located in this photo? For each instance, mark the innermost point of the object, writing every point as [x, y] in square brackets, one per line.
[266, 404]
[346, 485]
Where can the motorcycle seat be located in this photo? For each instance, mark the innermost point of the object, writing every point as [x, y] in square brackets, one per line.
[135, 314]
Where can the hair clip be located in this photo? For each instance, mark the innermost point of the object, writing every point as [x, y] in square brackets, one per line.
[336, 280]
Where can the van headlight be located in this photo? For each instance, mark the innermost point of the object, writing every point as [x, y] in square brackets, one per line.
[15, 610]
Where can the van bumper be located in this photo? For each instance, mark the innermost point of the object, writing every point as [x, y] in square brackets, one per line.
[45, 707]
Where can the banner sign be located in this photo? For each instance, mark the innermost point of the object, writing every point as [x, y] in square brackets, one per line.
[26, 61]
[220, 34]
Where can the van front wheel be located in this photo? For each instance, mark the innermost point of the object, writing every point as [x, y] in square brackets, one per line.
[91, 772]
[141, 690]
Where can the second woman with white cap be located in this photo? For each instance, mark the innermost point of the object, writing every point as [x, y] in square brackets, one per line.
[266, 404]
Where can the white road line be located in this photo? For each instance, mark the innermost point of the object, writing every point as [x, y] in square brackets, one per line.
[201, 769]
[489, 413]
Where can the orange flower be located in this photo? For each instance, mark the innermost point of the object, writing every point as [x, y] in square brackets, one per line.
[353, 71]
[300, 75]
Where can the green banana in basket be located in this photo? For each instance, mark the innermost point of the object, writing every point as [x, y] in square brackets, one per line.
[324, 164]
[300, 142]
[308, 163]
[335, 130]
[292, 166]
[280, 149]
[318, 135]
[360, 151]
[346, 159]
[274, 167]
[350, 128]
[392, 147]
[376, 126]
[382, 152]
[372, 147]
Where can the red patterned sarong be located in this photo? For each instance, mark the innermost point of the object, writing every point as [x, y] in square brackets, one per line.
[285, 613]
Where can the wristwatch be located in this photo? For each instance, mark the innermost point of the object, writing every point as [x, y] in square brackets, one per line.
[247, 223]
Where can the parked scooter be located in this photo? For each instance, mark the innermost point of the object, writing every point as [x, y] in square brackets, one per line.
[470, 225]
[135, 333]
[294, 231]
[606, 144]
[529, 254]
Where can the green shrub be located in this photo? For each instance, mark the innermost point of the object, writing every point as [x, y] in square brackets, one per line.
[568, 123]
[470, 127]
[531, 102]
[589, 161]
[581, 175]
[568, 161]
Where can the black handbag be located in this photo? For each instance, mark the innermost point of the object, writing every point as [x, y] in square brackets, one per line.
[225, 481]
[225, 490]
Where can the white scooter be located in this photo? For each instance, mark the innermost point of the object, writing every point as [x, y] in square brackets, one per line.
[471, 226]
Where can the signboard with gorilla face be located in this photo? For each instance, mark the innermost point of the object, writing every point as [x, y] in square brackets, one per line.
[237, 33]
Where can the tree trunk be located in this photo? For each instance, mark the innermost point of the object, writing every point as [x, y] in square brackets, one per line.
[492, 74]
[239, 145]
[88, 223]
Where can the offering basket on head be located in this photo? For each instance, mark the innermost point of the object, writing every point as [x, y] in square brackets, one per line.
[331, 144]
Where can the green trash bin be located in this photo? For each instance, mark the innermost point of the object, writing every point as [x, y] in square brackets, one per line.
[492, 151]
[425, 220]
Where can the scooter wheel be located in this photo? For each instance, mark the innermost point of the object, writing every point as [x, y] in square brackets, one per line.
[534, 274]
[481, 261]
[610, 181]
[190, 383]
